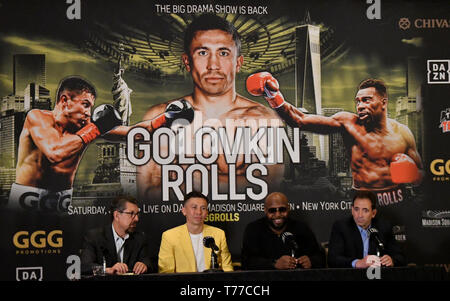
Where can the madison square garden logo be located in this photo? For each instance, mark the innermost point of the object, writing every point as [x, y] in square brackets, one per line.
[436, 219]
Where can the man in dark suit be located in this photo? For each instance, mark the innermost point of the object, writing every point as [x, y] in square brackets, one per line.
[352, 244]
[263, 246]
[117, 245]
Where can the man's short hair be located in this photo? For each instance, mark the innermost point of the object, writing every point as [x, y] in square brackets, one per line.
[210, 22]
[75, 84]
[119, 203]
[378, 84]
[365, 194]
[195, 194]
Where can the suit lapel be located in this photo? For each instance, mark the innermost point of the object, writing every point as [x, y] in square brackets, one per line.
[186, 245]
[356, 235]
[128, 245]
[207, 251]
[110, 246]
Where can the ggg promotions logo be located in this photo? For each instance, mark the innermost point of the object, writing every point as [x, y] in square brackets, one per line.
[445, 121]
[438, 71]
[404, 23]
[440, 169]
[29, 274]
[38, 242]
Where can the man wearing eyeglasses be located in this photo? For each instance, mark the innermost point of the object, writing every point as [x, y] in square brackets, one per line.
[263, 245]
[118, 245]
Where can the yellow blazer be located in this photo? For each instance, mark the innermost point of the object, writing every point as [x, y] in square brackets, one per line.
[176, 254]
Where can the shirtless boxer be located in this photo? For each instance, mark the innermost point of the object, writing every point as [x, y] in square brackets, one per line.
[51, 143]
[383, 151]
[212, 56]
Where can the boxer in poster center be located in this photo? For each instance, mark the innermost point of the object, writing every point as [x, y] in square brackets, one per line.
[212, 57]
[383, 151]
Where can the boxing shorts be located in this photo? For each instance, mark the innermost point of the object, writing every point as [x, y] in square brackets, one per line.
[24, 197]
[392, 196]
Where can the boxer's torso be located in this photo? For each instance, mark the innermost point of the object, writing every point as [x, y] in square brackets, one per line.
[243, 113]
[34, 169]
[371, 153]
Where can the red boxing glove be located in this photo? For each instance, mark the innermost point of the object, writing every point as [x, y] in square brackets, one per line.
[403, 169]
[88, 133]
[178, 109]
[158, 122]
[264, 84]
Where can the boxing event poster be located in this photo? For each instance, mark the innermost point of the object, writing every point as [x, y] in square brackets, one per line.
[235, 152]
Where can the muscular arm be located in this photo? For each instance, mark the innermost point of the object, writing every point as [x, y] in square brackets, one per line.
[149, 175]
[120, 133]
[412, 152]
[56, 146]
[308, 122]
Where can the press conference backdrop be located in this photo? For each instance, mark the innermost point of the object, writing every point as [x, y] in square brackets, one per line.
[319, 51]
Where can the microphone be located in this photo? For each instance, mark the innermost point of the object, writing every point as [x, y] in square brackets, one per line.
[289, 239]
[373, 232]
[209, 242]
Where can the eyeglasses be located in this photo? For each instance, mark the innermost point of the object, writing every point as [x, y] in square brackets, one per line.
[279, 209]
[131, 214]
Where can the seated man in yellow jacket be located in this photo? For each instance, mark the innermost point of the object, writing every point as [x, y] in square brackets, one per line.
[182, 248]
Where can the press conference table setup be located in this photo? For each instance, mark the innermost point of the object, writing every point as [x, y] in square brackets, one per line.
[386, 274]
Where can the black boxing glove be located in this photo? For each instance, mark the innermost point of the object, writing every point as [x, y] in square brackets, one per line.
[104, 118]
[178, 109]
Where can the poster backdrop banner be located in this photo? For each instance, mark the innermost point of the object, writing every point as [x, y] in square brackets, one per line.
[237, 100]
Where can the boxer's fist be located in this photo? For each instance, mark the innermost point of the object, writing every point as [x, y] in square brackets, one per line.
[403, 169]
[264, 84]
[104, 118]
[178, 109]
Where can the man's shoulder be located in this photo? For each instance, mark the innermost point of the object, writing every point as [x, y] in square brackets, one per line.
[139, 236]
[399, 128]
[344, 116]
[345, 222]
[256, 224]
[97, 233]
[209, 228]
[175, 230]
[36, 115]
[297, 224]
[382, 224]
[254, 110]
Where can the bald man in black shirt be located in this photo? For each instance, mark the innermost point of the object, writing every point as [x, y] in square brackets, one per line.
[263, 247]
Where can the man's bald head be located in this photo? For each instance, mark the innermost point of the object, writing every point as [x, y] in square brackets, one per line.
[277, 197]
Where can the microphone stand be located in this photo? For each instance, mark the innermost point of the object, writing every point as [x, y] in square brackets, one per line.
[214, 263]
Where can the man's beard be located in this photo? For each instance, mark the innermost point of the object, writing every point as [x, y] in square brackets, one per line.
[131, 228]
[275, 226]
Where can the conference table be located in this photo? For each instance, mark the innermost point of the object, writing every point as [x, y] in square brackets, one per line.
[416, 273]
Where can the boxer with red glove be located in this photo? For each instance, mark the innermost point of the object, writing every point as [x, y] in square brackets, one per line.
[264, 84]
[372, 133]
[104, 118]
[176, 110]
